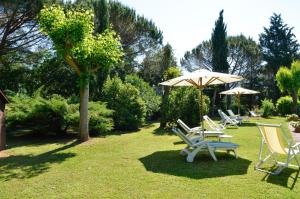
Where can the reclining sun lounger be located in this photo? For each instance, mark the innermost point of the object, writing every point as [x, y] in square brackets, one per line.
[195, 145]
[272, 138]
[227, 120]
[197, 131]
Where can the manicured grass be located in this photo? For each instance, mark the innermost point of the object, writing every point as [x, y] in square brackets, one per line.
[143, 164]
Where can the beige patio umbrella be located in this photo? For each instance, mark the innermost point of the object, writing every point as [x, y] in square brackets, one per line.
[201, 79]
[238, 91]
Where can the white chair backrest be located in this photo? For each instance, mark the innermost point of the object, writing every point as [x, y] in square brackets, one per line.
[183, 125]
[182, 136]
[252, 114]
[230, 112]
[212, 124]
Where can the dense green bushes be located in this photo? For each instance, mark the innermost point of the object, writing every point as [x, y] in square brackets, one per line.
[183, 103]
[147, 93]
[55, 114]
[284, 105]
[100, 117]
[43, 114]
[125, 100]
[267, 108]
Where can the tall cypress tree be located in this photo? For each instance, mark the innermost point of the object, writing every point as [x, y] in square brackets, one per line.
[219, 55]
[279, 48]
[101, 15]
[219, 46]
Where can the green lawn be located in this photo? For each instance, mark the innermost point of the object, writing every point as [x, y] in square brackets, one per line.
[143, 164]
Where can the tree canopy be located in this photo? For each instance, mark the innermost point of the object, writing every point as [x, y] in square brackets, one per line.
[72, 34]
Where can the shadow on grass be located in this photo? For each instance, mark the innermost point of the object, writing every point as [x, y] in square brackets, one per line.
[171, 163]
[287, 178]
[248, 124]
[29, 138]
[163, 131]
[27, 166]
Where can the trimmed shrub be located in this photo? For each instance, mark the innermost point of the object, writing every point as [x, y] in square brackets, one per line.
[183, 103]
[267, 108]
[284, 105]
[147, 93]
[37, 112]
[293, 117]
[55, 114]
[127, 103]
[100, 117]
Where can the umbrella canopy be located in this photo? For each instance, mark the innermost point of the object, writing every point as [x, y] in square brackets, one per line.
[238, 91]
[201, 79]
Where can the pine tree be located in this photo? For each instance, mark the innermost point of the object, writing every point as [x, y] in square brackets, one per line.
[279, 48]
[219, 55]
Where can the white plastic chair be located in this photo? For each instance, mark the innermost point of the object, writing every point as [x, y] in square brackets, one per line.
[194, 146]
[227, 120]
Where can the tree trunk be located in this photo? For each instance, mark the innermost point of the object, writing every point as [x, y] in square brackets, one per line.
[2, 129]
[163, 119]
[84, 121]
[295, 99]
[214, 102]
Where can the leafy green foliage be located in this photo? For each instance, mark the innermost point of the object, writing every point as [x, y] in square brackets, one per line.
[267, 108]
[284, 105]
[171, 73]
[38, 112]
[147, 93]
[289, 80]
[125, 100]
[100, 117]
[183, 103]
[293, 117]
[279, 47]
[55, 114]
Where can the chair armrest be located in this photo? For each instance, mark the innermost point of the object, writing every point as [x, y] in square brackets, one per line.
[195, 129]
[296, 145]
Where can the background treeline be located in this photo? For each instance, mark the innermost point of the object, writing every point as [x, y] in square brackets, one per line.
[43, 90]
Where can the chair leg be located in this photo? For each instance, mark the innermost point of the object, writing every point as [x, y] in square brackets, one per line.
[212, 153]
[235, 153]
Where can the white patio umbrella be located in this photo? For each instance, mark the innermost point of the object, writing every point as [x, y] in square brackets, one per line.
[238, 91]
[201, 79]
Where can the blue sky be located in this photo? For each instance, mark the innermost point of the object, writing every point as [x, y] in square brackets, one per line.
[186, 23]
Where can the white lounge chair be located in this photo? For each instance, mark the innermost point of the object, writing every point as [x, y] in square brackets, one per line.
[190, 131]
[253, 114]
[272, 138]
[227, 121]
[197, 131]
[216, 127]
[212, 124]
[237, 117]
[194, 146]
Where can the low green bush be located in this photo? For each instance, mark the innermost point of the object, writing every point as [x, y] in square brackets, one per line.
[183, 103]
[284, 105]
[267, 108]
[55, 114]
[125, 100]
[293, 117]
[38, 112]
[147, 93]
[100, 117]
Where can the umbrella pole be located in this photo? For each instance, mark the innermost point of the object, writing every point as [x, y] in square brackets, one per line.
[201, 109]
[239, 104]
